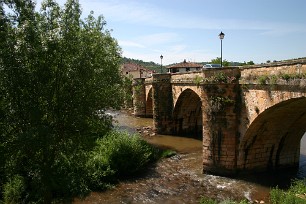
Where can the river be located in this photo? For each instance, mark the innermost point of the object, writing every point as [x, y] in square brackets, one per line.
[179, 179]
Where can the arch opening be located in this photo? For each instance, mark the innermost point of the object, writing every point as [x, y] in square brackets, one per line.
[187, 115]
[149, 105]
[272, 142]
[302, 162]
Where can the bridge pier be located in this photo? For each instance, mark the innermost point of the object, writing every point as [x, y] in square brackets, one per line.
[220, 128]
[252, 118]
[162, 103]
[139, 97]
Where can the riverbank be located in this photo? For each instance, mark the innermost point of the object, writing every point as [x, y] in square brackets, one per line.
[172, 180]
[177, 179]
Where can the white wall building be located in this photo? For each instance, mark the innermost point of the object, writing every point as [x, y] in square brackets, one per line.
[184, 67]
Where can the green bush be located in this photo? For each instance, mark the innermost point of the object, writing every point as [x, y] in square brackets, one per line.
[168, 153]
[14, 190]
[273, 79]
[205, 200]
[70, 177]
[278, 196]
[263, 79]
[286, 77]
[220, 78]
[118, 155]
[298, 186]
[57, 75]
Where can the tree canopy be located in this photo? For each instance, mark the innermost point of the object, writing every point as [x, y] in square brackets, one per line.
[225, 63]
[58, 73]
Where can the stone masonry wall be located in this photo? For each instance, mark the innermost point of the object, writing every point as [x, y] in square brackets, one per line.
[220, 124]
[162, 103]
[253, 117]
[139, 97]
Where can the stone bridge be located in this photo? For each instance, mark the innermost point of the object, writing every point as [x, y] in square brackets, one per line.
[249, 118]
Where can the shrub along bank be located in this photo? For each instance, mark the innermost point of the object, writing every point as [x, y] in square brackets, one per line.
[116, 156]
[58, 73]
[296, 194]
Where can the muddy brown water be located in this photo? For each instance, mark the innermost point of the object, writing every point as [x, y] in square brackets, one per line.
[179, 179]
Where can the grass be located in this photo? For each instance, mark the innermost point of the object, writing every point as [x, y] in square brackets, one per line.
[296, 194]
[205, 200]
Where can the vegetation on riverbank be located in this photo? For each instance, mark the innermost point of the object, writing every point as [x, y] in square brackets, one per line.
[296, 194]
[212, 201]
[119, 155]
[116, 156]
[58, 75]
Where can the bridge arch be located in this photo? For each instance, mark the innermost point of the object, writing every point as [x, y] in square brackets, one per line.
[272, 141]
[187, 115]
[178, 90]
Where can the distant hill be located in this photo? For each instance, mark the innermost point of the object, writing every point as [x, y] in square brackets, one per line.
[154, 66]
[149, 65]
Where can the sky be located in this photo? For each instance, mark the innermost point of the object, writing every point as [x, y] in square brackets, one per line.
[255, 30]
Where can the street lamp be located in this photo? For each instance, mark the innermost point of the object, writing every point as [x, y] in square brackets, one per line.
[221, 36]
[161, 63]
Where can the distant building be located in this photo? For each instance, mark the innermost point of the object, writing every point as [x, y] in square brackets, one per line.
[184, 67]
[133, 70]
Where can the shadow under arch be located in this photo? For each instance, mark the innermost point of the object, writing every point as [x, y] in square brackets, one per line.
[149, 105]
[272, 141]
[187, 115]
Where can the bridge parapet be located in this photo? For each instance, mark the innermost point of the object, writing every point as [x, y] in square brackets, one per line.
[250, 118]
[275, 73]
[190, 77]
[208, 76]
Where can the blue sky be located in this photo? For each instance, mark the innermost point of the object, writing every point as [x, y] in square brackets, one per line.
[257, 30]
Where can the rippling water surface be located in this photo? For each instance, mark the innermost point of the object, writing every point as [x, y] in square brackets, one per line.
[179, 179]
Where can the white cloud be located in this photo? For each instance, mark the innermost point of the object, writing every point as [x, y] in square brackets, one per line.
[170, 29]
[123, 11]
[144, 13]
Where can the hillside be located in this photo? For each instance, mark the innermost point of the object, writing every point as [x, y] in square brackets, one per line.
[154, 66]
[149, 65]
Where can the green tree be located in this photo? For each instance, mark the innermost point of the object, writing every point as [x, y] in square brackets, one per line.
[247, 63]
[225, 63]
[57, 72]
[250, 63]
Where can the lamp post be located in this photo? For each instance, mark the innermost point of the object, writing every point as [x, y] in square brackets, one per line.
[221, 36]
[161, 63]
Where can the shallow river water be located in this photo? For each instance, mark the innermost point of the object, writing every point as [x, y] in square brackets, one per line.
[179, 179]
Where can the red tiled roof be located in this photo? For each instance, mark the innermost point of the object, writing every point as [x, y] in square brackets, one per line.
[185, 64]
[128, 67]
